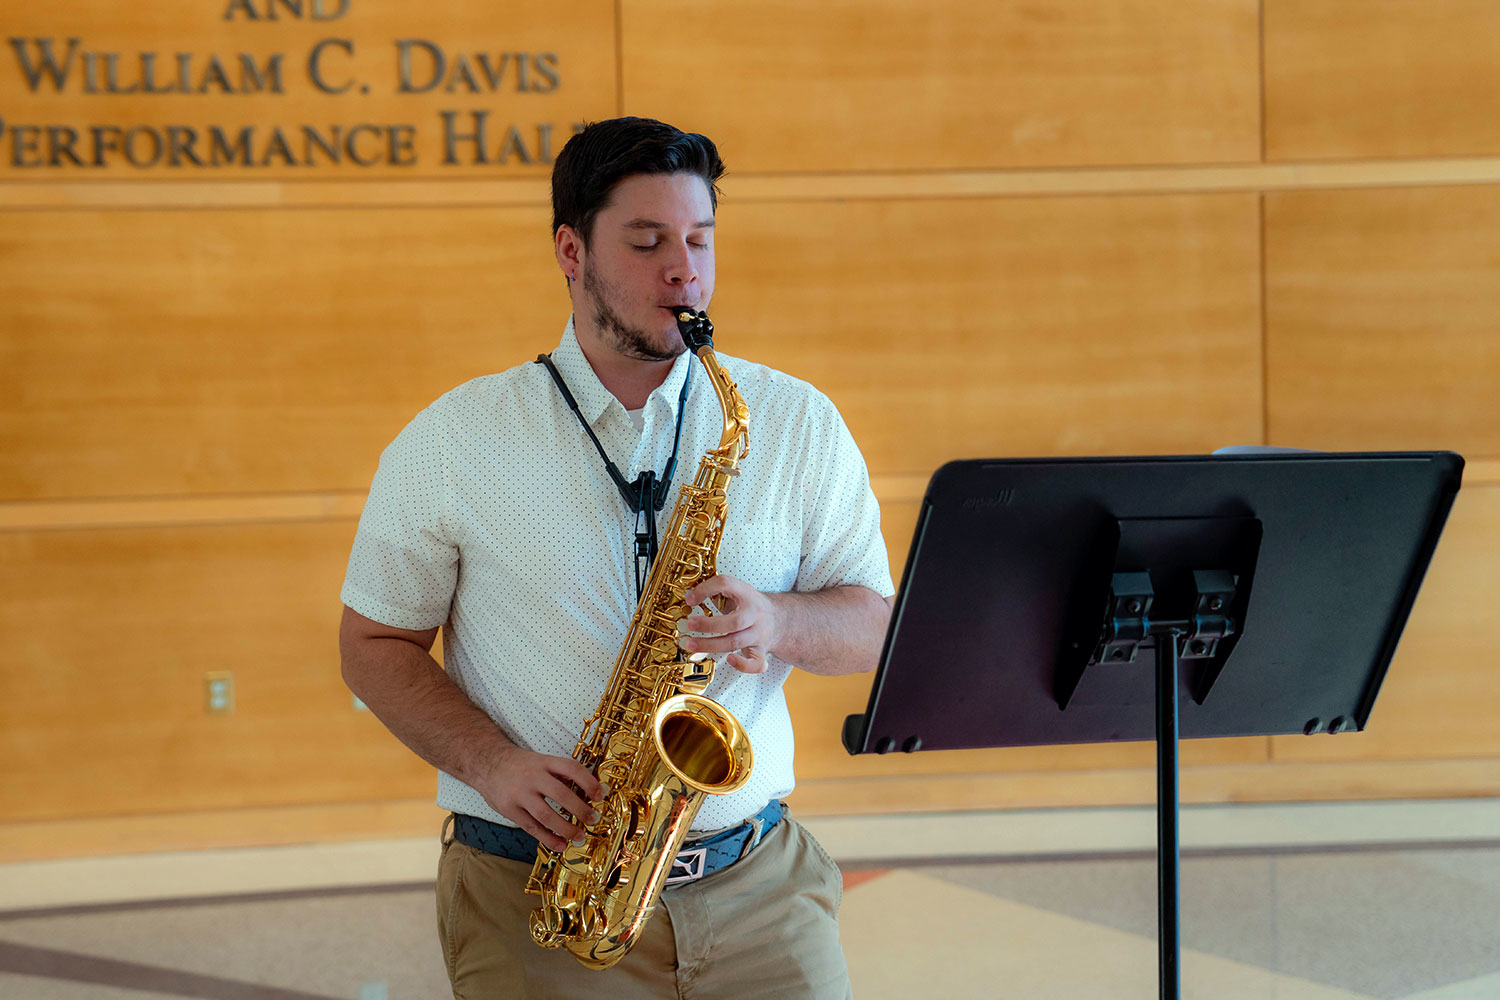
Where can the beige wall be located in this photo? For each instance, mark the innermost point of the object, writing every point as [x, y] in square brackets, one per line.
[1060, 227]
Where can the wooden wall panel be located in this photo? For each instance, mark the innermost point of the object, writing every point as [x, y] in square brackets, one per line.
[376, 313]
[950, 84]
[951, 328]
[210, 352]
[1442, 693]
[102, 683]
[204, 365]
[1381, 313]
[164, 75]
[1380, 78]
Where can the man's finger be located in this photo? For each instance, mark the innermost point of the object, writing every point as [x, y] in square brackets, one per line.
[569, 801]
[569, 769]
[548, 839]
[727, 588]
[717, 624]
[720, 643]
[748, 661]
[554, 821]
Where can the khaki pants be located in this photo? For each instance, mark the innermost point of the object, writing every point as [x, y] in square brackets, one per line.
[766, 926]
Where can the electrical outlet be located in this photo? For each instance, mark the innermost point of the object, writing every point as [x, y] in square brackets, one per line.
[219, 689]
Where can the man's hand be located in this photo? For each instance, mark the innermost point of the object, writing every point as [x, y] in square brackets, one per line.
[837, 630]
[746, 628]
[519, 783]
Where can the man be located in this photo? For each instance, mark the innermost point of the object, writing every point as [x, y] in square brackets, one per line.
[494, 515]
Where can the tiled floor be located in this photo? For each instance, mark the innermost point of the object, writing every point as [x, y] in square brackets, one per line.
[1281, 922]
[1369, 924]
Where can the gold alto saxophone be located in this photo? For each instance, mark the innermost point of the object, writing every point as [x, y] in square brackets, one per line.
[657, 744]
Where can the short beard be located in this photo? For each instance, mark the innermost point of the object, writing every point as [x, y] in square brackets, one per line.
[626, 340]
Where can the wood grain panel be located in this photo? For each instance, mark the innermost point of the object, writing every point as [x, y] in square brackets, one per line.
[1442, 695]
[162, 90]
[1381, 78]
[1381, 314]
[950, 84]
[102, 704]
[212, 352]
[329, 329]
[965, 328]
[1291, 782]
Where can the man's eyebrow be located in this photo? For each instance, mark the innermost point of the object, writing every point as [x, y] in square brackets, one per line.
[653, 224]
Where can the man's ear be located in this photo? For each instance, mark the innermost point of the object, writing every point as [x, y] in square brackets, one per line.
[570, 251]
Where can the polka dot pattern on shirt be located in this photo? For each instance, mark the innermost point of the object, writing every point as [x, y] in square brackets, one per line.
[492, 514]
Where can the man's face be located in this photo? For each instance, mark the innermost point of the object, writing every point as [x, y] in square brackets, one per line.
[650, 254]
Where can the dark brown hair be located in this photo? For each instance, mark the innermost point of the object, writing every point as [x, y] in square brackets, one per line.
[604, 153]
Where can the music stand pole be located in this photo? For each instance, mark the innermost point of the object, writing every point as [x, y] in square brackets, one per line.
[1168, 856]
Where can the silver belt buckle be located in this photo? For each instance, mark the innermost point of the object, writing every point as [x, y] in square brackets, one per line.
[688, 865]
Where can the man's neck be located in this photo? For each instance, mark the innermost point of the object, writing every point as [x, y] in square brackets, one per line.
[629, 380]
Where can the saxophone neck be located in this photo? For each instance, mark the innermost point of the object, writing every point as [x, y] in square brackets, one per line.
[697, 333]
[735, 440]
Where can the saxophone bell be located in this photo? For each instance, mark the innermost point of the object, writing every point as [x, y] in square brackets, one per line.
[700, 742]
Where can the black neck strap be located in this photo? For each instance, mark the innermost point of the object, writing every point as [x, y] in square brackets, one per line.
[648, 493]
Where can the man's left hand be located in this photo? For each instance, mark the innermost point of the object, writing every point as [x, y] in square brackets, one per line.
[745, 628]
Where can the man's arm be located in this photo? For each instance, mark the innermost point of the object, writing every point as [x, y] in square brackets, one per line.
[392, 671]
[834, 631]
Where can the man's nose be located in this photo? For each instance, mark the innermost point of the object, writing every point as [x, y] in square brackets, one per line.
[680, 269]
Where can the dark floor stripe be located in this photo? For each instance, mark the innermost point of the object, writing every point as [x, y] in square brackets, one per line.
[73, 967]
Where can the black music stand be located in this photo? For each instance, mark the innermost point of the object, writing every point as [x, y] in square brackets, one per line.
[1051, 601]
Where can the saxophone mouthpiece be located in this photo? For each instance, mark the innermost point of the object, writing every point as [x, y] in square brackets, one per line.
[696, 330]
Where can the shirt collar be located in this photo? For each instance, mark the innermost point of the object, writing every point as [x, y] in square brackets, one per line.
[593, 398]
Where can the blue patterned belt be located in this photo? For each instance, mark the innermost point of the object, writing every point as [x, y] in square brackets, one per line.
[696, 859]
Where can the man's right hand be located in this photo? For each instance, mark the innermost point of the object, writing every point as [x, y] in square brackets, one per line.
[520, 783]
[392, 671]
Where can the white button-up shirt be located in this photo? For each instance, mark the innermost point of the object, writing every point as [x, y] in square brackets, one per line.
[492, 515]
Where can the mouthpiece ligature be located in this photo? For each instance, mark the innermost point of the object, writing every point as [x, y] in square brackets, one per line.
[697, 332]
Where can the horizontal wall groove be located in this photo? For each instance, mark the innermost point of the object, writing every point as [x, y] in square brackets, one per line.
[344, 505]
[760, 187]
[151, 512]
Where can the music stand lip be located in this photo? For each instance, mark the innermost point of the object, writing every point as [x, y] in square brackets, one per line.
[1373, 519]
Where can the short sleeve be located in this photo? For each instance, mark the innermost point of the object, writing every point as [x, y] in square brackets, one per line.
[404, 564]
[842, 544]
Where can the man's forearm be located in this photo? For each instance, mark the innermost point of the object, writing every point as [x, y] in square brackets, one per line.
[835, 631]
[407, 691]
